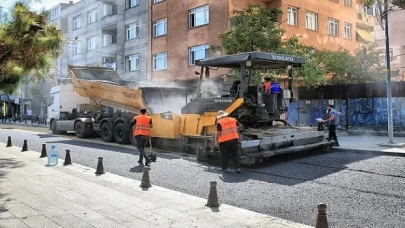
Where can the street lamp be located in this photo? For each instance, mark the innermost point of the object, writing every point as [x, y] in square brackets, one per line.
[389, 84]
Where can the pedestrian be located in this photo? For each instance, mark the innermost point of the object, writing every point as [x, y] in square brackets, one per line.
[332, 121]
[267, 85]
[142, 126]
[227, 138]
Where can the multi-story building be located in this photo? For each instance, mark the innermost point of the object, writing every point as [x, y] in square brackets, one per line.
[113, 33]
[183, 31]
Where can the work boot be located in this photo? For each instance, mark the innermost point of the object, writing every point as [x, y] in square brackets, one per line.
[238, 171]
[147, 162]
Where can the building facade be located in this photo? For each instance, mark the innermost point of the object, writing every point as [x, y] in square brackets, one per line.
[112, 33]
[160, 40]
[184, 30]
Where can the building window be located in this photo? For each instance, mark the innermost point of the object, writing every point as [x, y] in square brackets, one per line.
[91, 43]
[55, 13]
[132, 62]
[132, 31]
[160, 27]
[109, 39]
[197, 52]
[160, 61]
[371, 10]
[132, 3]
[77, 22]
[157, 1]
[292, 16]
[333, 27]
[335, 1]
[199, 16]
[92, 16]
[77, 48]
[348, 31]
[348, 2]
[311, 21]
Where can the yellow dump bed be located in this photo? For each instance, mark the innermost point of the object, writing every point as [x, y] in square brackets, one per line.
[105, 87]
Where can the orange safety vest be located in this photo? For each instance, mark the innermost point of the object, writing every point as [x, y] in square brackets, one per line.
[142, 126]
[229, 129]
[267, 86]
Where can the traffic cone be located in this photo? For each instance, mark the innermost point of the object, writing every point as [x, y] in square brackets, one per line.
[68, 161]
[25, 146]
[213, 196]
[145, 183]
[9, 144]
[43, 152]
[321, 220]
[100, 167]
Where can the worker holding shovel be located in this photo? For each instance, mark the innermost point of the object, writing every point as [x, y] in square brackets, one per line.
[143, 124]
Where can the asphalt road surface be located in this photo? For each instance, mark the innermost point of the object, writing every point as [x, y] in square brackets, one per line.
[360, 190]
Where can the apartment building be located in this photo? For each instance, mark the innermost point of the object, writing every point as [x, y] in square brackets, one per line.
[183, 31]
[112, 33]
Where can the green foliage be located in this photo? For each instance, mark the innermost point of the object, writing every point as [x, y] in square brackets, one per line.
[398, 3]
[250, 28]
[27, 46]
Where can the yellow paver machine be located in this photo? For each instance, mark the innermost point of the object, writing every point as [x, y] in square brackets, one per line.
[185, 118]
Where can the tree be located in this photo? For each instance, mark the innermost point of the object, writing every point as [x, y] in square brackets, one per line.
[27, 46]
[257, 29]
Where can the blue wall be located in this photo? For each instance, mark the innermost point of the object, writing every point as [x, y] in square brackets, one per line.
[362, 112]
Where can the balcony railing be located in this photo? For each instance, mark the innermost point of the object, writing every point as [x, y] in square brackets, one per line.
[365, 21]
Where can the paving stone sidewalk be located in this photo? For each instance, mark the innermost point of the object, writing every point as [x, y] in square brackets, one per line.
[34, 195]
[370, 144]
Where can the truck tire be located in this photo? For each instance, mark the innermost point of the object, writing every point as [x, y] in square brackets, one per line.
[131, 136]
[106, 132]
[120, 134]
[79, 129]
[53, 127]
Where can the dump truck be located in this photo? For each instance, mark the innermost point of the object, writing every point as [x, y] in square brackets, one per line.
[185, 118]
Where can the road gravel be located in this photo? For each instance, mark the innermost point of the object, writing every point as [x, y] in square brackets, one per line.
[360, 190]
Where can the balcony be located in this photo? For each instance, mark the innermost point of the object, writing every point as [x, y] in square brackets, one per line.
[109, 35]
[365, 21]
[110, 61]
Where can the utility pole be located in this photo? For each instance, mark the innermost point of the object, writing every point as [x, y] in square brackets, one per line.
[389, 84]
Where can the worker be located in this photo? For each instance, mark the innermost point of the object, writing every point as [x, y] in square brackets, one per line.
[332, 121]
[227, 138]
[267, 85]
[142, 126]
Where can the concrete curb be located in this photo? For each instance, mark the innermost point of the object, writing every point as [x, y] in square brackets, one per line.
[25, 125]
[376, 152]
[373, 133]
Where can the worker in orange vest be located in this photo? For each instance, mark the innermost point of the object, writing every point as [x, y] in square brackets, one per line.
[142, 126]
[267, 85]
[227, 138]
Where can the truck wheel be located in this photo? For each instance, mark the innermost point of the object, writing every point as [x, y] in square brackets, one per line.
[106, 133]
[53, 127]
[79, 129]
[120, 134]
[131, 136]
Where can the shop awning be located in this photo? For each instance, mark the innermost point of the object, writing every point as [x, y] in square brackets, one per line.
[365, 35]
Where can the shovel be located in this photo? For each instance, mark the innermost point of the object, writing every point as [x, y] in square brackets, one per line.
[152, 156]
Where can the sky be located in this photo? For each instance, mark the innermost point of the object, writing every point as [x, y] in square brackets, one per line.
[36, 5]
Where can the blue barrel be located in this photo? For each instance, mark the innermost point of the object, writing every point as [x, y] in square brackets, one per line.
[275, 87]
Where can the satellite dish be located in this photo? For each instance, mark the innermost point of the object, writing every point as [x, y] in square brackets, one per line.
[217, 54]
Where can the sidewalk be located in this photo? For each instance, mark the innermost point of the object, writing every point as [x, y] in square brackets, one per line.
[370, 144]
[33, 195]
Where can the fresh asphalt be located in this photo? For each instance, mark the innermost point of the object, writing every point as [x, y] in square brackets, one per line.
[360, 190]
